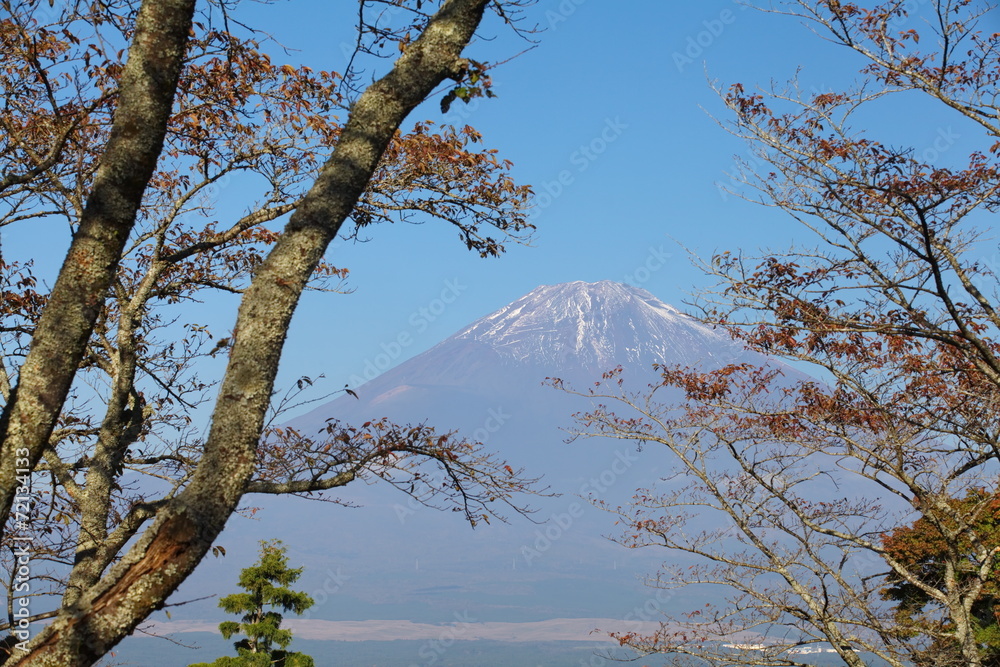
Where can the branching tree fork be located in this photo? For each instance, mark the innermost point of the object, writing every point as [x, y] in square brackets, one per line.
[123, 118]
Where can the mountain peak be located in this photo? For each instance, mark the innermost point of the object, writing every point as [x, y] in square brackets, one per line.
[574, 331]
[594, 326]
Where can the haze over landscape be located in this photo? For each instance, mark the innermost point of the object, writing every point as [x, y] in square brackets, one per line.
[551, 577]
[405, 293]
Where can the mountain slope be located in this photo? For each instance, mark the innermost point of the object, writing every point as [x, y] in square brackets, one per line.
[574, 331]
[594, 326]
[395, 559]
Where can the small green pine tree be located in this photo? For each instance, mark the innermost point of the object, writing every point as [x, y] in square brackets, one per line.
[266, 584]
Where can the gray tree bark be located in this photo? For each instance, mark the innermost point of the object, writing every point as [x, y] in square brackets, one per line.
[146, 97]
[186, 527]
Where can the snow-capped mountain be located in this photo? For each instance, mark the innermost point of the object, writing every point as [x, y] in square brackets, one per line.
[595, 326]
[574, 331]
[400, 560]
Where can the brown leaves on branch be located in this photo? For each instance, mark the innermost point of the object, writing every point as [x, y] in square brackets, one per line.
[427, 175]
[856, 510]
[111, 486]
[438, 470]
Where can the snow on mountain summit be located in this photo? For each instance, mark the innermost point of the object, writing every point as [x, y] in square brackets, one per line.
[595, 325]
[574, 331]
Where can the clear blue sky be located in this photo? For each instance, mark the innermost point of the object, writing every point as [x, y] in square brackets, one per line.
[630, 81]
[616, 98]
[615, 94]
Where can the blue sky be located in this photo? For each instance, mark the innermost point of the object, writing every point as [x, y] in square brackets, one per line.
[610, 118]
[615, 98]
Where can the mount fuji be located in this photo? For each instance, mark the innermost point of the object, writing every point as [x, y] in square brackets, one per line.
[395, 559]
[573, 331]
[486, 382]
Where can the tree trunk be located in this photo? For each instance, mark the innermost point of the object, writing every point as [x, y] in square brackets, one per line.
[185, 529]
[148, 83]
